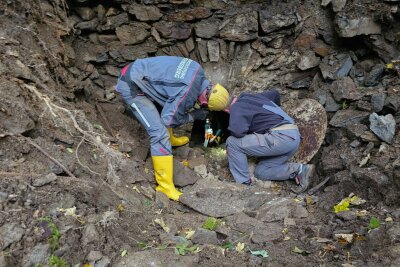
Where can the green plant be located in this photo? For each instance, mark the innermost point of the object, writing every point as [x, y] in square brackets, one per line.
[211, 223]
[57, 261]
[182, 249]
[344, 105]
[374, 223]
[55, 233]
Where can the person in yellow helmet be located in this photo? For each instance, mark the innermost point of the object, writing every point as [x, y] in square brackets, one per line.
[175, 84]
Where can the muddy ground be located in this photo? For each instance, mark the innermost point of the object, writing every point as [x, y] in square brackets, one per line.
[76, 182]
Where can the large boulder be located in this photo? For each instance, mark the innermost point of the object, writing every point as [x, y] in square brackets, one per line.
[241, 28]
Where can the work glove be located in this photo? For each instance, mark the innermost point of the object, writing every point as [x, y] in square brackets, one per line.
[199, 114]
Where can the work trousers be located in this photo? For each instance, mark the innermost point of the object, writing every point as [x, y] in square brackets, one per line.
[148, 115]
[273, 149]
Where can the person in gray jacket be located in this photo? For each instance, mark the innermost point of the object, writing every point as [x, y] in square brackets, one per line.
[175, 84]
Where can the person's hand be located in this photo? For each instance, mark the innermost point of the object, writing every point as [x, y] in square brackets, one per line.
[199, 114]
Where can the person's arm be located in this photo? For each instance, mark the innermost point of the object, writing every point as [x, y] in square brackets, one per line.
[239, 120]
[175, 111]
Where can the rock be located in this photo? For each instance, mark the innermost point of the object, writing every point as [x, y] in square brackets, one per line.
[331, 105]
[347, 215]
[338, 5]
[113, 22]
[344, 88]
[145, 13]
[189, 43]
[373, 77]
[343, 118]
[40, 181]
[104, 262]
[385, 50]
[331, 161]
[184, 176]
[112, 71]
[201, 170]
[279, 209]
[155, 257]
[133, 33]
[90, 25]
[272, 20]
[94, 255]
[242, 222]
[9, 234]
[372, 175]
[190, 14]
[213, 50]
[383, 126]
[211, 4]
[240, 28]
[350, 27]
[207, 28]
[86, 13]
[162, 201]
[364, 105]
[37, 256]
[378, 101]
[204, 236]
[394, 251]
[356, 130]
[369, 137]
[218, 199]
[335, 67]
[394, 234]
[90, 234]
[289, 222]
[308, 61]
[3, 197]
[174, 30]
[266, 233]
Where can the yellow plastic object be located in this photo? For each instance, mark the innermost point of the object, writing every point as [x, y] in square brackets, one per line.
[163, 171]
[177, 141]
[219, 98]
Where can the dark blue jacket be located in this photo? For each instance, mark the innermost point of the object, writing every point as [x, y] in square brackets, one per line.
[173, 82]
[247, 114]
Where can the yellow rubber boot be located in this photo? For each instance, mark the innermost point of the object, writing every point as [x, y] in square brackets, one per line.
[177, 141]
[163, 171]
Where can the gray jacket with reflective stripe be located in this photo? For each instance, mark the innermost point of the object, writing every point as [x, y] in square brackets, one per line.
[173, 82]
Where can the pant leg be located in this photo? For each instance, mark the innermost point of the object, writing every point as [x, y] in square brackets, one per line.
[146, 112]
[238, 149]
[276, 166]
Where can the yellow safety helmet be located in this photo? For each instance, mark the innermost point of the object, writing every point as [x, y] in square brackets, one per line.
[219, 98]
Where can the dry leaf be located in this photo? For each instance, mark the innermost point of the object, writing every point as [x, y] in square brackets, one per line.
[189, 234]
[120, 208]
[161, 223]
[239, 247]
[365, 160]
[345, 238]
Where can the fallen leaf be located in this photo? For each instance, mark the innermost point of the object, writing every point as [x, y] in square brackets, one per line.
[70, 150]
[329, 248]
[136, 189]
[185, 163]
[355, 200]
[69, 211]
[123, 253]
[389, 219]
[361, 213]
[374, 223]
[365, 160]
[239, 247]
[301, 251]
[87, 265]
[322, 240]
[161, 223]
[146, 170]
[189, 234]
[263, 253]
[343, 205]
[120, 207]
[345, 238]
[286, 238]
